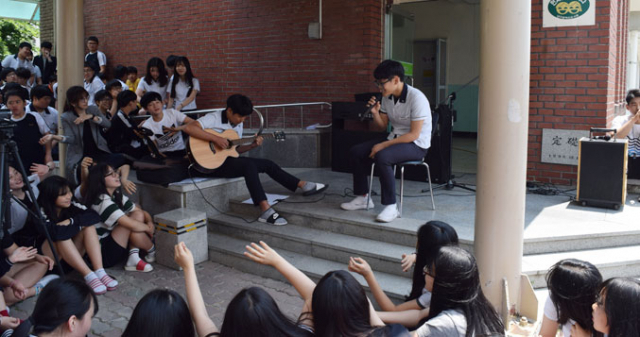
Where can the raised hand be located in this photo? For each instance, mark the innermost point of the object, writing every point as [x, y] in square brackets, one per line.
[360, 266]
[183, 256]
[408, 260]
[263, 254]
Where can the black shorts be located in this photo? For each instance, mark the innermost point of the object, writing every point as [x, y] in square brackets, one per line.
[112, 252]
[633, 167]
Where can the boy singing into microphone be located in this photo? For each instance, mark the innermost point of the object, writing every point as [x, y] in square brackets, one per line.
[408, 111]
[628, 126]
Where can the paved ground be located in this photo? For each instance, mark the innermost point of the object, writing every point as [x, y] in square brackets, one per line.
[218, 283]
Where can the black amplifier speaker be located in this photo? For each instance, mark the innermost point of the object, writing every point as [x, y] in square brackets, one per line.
[602, 172]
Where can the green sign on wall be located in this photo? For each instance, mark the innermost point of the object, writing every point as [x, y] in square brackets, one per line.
[568, 9]
[408, 68]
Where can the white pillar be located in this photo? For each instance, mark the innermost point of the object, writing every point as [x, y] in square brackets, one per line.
[632, 60]
[505, 39]
[70, 54]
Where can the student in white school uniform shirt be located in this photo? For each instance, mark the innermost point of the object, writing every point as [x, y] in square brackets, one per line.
[628, 127]
[155, 79]
[408, 111]
[183, 87]
[92, 83]
[97, 58]
[239, 107]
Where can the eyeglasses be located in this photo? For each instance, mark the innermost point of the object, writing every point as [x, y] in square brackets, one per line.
[426, 271]
[380, 84]
[112, 174]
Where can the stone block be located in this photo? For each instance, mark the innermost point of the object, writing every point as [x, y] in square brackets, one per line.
[181, 225]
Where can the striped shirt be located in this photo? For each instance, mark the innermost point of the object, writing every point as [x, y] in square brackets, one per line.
[110, 212]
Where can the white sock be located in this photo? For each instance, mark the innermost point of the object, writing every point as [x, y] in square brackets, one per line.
[101, 273]
[96, 288]
[151, 250]
[134, 257]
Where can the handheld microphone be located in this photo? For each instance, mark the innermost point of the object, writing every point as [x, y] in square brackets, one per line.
[367, 112]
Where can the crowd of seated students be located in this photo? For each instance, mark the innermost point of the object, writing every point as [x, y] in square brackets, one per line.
[89, 213]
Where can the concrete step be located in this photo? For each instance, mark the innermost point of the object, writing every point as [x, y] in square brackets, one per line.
[325, 215]
[612, 262]
[229, 251]
[381, 256]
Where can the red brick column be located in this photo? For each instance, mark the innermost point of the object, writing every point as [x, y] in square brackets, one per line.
[577, 80]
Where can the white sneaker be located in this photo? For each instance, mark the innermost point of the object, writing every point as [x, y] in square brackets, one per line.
[388, 214]
[360, 202]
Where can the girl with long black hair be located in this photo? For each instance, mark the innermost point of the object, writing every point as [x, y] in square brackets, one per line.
[573, 287]
[431, 236]
[616, 311]
[75, 306]
[72, 230]
[125, 228]
[155, 79]
[183, 87]
[458, 306]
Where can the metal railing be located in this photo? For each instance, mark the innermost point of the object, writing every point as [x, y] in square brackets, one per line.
[266, 109]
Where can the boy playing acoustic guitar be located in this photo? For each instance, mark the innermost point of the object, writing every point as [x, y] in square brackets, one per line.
[239, 107]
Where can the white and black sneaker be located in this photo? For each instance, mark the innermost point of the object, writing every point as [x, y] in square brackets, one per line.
[272, 217]
[311, 188]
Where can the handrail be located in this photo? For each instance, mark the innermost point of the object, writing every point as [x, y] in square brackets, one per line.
[271, 106]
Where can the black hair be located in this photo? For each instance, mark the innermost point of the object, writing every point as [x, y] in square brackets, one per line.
[431, 236]
[40, 91]
[163, 78]
[119, 71]
[161, 312]
[25, 44]
[101, 95]
[456, 285]
[92, 66]
[23, 94]
[111, 84]
[94, 39]
[634, 93]
[97, 186]
[573, 287]
[53, 78]
[240, 104]
[50, 189]
[23, 73]
[171, 61]
[149, 97]
[46, 44]
[125, 97]
[74, 95]
[621, 306]
[339, 306]
[5, 72]
[188, 76]
[68, 297]
[253, 312]
[132, 70]
[388, 69]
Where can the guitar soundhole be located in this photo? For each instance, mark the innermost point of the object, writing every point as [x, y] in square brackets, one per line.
[212, 147]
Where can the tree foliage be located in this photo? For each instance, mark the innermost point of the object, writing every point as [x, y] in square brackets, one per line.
[13, 32]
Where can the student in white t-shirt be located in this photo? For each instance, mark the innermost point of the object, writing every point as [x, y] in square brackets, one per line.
[628, 127]
[573, 287]
[95, 57]
[92, 83]
[239, 107]
[458, 306]
[183, 87]
[155, 79]
[407, 110]
[165, 124]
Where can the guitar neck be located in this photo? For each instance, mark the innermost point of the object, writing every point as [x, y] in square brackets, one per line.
[249, 140]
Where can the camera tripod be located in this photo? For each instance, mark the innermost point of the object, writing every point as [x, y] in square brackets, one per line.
[8, 150]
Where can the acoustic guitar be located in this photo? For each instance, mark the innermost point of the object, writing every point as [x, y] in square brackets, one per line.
[207, 156]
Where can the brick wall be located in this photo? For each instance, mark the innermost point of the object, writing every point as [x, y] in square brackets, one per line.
[577, 80]
[47, 22]
[259, 48]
